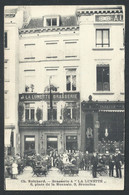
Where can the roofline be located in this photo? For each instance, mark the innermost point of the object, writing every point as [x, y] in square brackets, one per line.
[99, 10]
[48, 29]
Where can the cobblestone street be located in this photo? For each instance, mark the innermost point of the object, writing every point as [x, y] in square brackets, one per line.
[55, 180]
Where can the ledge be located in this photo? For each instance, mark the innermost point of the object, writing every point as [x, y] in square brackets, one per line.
[102, 48]
[122, 48]
[7, 48]
[103, 93]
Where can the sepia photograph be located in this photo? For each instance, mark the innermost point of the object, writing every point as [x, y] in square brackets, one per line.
[64, 97]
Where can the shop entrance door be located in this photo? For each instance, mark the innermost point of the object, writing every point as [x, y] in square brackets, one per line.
[52, 144]
[29, 144]
[71, 143]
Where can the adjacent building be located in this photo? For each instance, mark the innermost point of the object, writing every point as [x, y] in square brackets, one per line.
[70, 80]
[14, 19]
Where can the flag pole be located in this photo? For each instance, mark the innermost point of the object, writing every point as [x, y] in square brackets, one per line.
[51, 106]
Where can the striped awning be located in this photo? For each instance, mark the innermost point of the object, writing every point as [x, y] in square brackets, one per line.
[7, 137]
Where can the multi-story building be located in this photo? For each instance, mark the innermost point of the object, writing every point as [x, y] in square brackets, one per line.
[102, 76]
[71, 80]
[14, 19]
[49, 58]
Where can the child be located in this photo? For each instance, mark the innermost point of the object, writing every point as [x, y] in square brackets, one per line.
[14, 170]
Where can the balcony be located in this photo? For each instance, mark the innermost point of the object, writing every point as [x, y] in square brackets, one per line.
[49, 125]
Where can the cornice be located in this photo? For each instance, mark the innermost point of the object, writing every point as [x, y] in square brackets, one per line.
[88, 12]
[48, 29]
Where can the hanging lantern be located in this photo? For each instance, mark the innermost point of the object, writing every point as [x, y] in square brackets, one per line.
[106, 132]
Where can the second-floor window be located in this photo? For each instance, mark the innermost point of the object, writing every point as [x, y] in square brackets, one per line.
[52, 112]
[102, 38]
[5, 40]
[103, 78]
[71, 80]
[29, 112]
[71, 111]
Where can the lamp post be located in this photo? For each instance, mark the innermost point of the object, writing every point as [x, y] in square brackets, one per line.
[51, 106]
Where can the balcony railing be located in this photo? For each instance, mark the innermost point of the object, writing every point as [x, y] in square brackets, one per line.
[50, 124]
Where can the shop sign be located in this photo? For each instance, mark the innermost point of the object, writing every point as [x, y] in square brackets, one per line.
[109, 18]
[46, 96]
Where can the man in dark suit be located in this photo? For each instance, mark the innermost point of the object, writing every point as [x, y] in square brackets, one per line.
[94, 162]
[118, 164]
[111, 165]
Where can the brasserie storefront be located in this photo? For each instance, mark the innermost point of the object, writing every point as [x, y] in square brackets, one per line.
[42, 136]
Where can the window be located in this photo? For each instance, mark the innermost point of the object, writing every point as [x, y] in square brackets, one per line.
[71, 111]
[103, 78]
[29, 80]
[102, 38]
[52, 113]
[51, 22]
[29, 143]
[71, 48]
[29, 49]
[71, 80]
[5, 40]
[29, 112]
[71, 143]
[52, 49]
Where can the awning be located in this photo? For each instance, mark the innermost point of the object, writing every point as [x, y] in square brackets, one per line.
[111, 110]
[7, 136]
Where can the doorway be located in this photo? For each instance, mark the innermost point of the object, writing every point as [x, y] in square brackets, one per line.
[52, 144]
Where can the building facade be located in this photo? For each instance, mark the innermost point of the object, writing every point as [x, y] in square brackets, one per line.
[70, 82]
[102, 77]
[14, 19]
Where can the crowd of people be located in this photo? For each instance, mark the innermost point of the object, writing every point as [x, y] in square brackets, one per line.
[94, 162]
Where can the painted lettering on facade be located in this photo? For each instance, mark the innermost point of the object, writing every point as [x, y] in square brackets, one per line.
[109, 18]
[45, 97]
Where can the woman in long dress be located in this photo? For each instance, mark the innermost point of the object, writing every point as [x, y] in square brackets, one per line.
[14, 170]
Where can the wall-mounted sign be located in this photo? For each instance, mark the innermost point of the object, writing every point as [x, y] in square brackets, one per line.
[46, 96]
[103, 106]
[109, 18]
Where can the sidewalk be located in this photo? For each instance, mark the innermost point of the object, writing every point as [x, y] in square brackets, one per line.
[55, 178]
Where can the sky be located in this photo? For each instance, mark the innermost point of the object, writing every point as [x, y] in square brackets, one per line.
[39, 11]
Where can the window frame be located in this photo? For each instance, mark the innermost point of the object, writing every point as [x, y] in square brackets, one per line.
[30, 109]
[53, 109]
[103, 81]
[51, 21]
[102, 44]
[71, 75]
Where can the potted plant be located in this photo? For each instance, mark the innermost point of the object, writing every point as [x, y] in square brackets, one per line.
[39, 114]
[32, 87]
